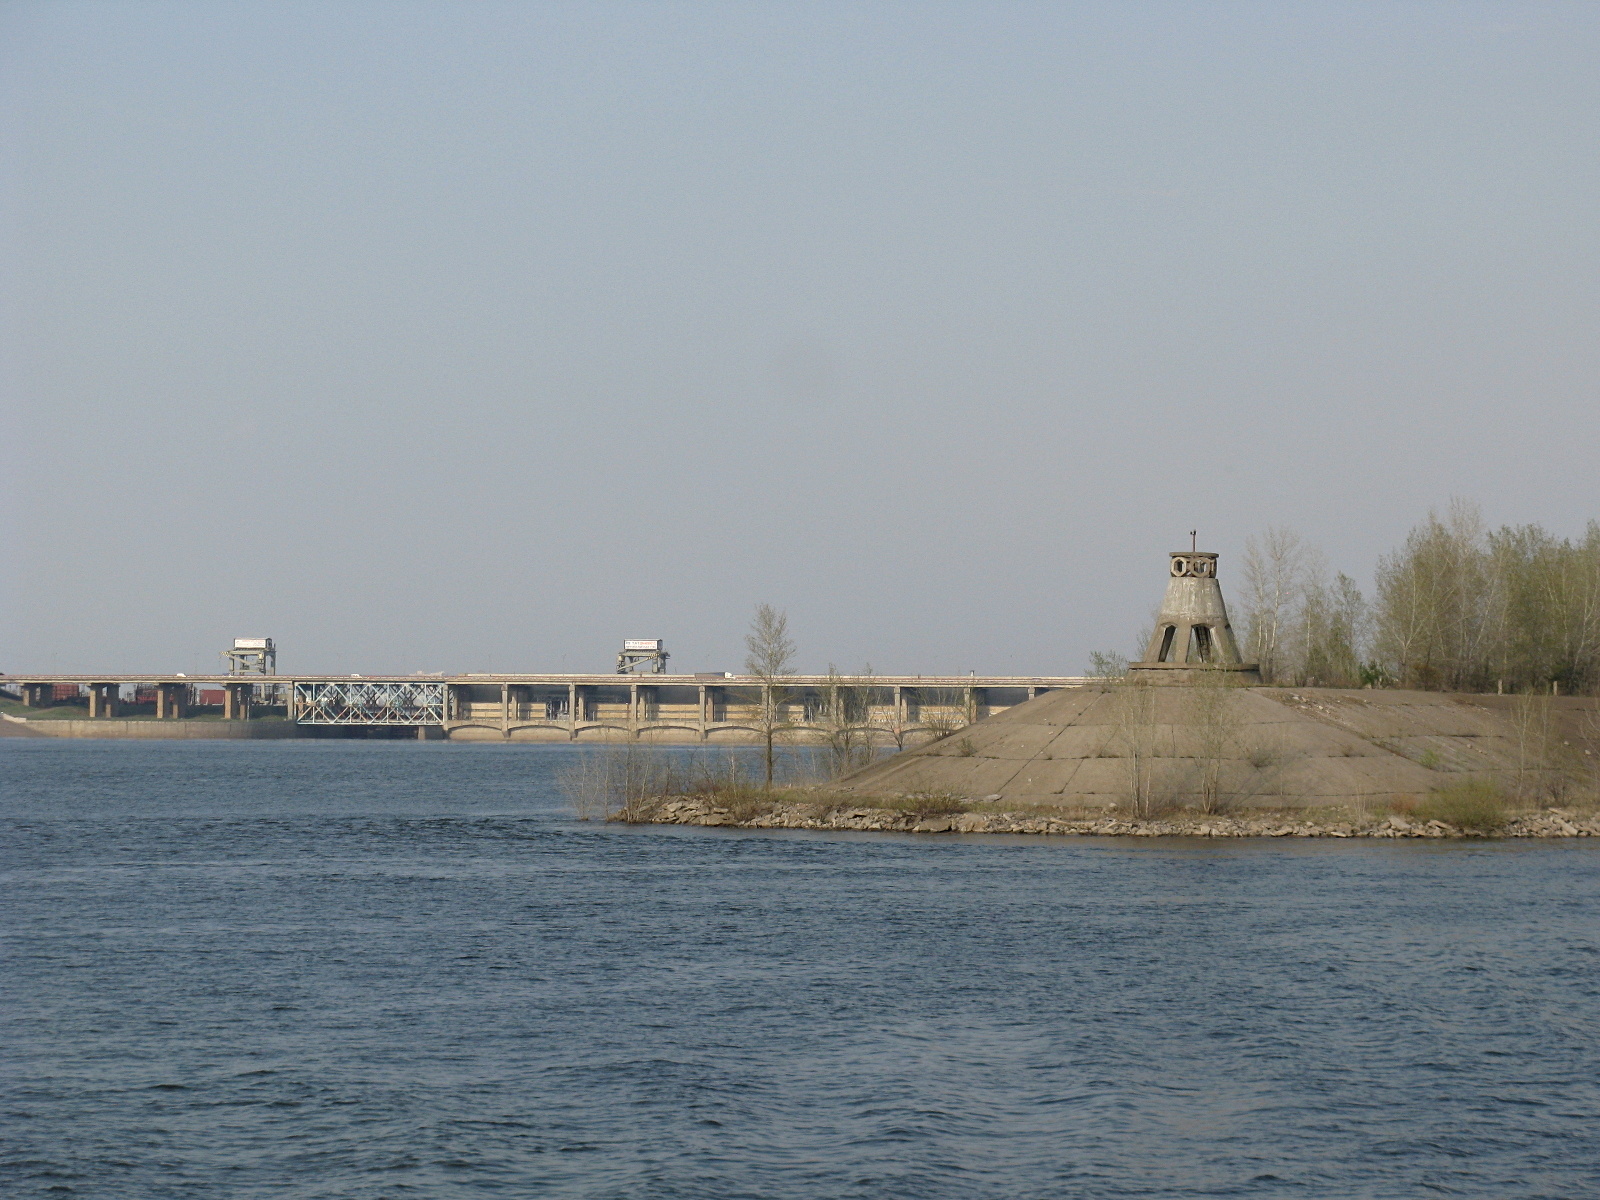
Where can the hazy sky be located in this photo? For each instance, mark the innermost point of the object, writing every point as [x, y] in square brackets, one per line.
[469, 337]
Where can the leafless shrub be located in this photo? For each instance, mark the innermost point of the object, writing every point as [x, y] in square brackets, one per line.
[941, 720]
[1216, 733]
[603, 781]
[1587, 753]
[1233, 763]
[928, 804]
[631, 781]
[1108, 666]
[1549, 765]
[1134, 740]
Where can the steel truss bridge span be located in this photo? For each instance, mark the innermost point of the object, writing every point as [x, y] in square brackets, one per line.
[371, 702]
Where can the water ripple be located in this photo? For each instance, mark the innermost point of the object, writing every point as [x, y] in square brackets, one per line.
[373, 970]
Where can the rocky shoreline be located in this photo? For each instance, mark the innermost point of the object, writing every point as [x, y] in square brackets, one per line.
[1550, 823]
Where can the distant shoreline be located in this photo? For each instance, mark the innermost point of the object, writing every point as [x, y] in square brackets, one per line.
[151, 729]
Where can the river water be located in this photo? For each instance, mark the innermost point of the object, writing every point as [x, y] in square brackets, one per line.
[366, 969]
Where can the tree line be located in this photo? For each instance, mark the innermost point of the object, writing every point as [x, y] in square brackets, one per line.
[1458, 607]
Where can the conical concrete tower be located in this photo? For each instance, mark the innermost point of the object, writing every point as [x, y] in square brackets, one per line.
[1193, 639]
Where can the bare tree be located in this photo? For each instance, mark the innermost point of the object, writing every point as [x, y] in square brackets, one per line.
[1436, 603]
[1546, 627]
[845, 709]
[1458, 607]
[1465, 609]
[770, 659]
[1274, 579]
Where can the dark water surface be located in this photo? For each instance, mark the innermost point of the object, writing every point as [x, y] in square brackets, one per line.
[325, 969]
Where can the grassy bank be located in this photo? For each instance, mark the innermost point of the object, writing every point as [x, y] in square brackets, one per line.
[56, 712]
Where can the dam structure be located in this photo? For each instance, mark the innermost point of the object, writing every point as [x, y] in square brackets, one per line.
[890, 710]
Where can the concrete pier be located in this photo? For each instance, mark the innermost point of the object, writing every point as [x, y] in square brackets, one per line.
[172, 701]
[104, 699]
[236, 701]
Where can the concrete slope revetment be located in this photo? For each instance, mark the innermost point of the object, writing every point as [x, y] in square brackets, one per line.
[1098, 747]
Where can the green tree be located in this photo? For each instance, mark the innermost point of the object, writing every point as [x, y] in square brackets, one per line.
[1333, 620]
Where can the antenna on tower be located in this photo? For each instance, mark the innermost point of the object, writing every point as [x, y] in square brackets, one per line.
[1194, 545]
